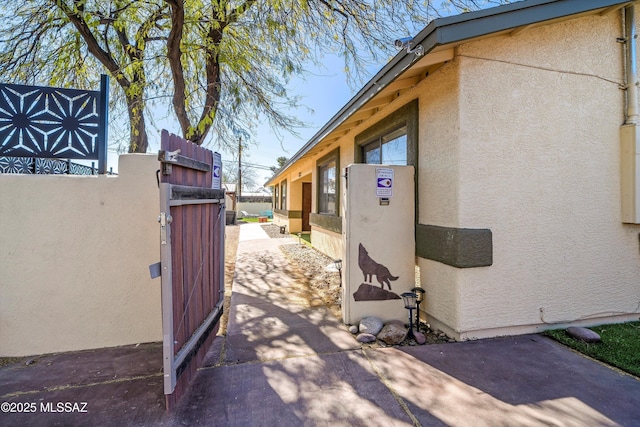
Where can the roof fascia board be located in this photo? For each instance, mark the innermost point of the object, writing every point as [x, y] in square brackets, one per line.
[451, 30]
[509, 17]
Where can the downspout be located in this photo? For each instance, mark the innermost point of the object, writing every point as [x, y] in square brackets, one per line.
[631, 66]
[629, 131]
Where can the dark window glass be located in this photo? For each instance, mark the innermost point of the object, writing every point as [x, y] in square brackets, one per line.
[283, 192]
[327, 188]
[390, 149]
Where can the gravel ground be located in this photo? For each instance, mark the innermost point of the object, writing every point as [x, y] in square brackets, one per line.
[327, 283]
[312, 264]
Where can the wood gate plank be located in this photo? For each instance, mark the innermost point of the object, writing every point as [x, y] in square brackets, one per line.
[197, 258]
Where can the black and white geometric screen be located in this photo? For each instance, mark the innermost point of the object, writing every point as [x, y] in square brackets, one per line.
[49, 122]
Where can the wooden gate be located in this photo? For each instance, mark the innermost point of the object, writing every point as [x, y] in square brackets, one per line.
[192, 220]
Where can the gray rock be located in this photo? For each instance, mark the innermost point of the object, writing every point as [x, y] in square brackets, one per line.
[583, 334]
[392, 334]
[353, 329]
[420, 337]
[366, 338]
[370, 325]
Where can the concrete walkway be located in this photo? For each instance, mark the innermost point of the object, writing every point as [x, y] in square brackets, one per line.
[287, 361]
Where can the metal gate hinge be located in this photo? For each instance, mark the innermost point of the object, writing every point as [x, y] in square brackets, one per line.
[164, 219]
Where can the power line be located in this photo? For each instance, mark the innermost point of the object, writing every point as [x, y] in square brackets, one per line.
[252, 165]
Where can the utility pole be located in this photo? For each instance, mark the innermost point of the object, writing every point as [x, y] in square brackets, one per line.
[239, 189]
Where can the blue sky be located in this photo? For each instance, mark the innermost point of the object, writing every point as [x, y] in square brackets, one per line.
[323, 91]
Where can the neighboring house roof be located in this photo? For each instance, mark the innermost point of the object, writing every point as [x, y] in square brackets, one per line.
[437, 39]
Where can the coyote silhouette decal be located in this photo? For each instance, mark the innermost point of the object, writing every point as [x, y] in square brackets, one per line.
[371, 268]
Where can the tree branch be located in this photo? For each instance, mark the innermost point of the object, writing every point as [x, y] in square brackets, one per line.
[174, 54]
[92, 44]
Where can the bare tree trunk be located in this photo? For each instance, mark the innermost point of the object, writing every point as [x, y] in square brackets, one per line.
[174, 53]
[138, 142]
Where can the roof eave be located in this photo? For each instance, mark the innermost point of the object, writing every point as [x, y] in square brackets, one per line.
[450, 31]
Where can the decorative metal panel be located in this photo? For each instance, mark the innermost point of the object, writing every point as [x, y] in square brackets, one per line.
[76, 169]
[17, 165]
[48, 122]
[51, 167]
[30, 165]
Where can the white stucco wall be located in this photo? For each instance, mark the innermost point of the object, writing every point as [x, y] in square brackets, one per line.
[539, 121]
[74, 259]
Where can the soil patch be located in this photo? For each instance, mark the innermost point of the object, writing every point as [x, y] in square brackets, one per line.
[231, 235]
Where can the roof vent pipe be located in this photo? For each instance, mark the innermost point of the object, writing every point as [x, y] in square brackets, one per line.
[631, 65]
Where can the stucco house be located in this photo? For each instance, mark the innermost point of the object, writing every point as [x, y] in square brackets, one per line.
[521, 122]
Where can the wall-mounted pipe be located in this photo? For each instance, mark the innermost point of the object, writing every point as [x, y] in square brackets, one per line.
[631, 66]
[630, 130]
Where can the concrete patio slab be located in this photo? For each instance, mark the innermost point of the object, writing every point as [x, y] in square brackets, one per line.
[524, 380]
[324, 390]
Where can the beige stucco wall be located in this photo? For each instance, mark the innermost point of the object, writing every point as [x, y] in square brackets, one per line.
[519, 134]
[539, 122]
[438, 176]
[327, 242]
[74, 259]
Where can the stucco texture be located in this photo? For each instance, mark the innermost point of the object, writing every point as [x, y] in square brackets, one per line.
[539, 165]
[74, 260]
[438, 177]
[519, 134]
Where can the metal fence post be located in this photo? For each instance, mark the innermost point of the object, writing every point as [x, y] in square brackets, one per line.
[103, 124]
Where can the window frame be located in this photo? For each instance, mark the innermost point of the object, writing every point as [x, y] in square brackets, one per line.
[382, 139]
[332, 157]
[283, 195]
[276, 197]
[406, 115]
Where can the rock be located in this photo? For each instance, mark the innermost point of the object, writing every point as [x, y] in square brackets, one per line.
[420, 337]
[368, 292]
[370, 325]
[392, 334]
[396, 322]
[583, 334]
[366, 338]
[353, 329]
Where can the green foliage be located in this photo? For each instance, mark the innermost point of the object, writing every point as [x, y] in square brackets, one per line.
[221, 65]
[620, 345]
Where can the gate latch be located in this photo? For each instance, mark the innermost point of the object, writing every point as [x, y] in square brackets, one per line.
[164, 219]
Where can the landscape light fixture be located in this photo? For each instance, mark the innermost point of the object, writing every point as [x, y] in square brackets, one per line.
[409, 299]
[338, 265]
[419, 298]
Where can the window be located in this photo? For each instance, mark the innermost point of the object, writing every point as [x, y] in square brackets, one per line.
[283, 194]
[276, 198]
[327, 188]
[390, 149]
